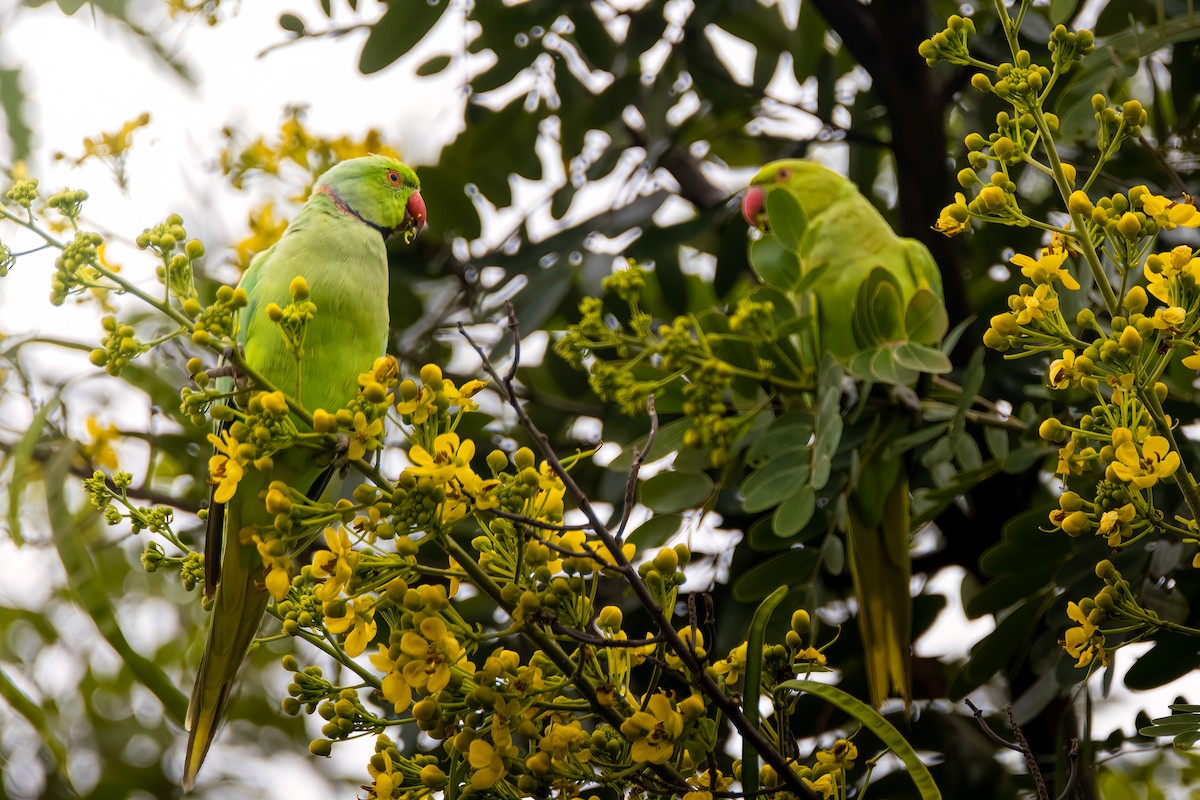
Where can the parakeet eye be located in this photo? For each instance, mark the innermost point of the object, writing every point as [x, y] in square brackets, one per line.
[394, 177]
[783, 174]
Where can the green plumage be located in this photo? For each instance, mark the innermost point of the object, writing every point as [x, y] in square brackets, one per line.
[336, 243]
[878, 293]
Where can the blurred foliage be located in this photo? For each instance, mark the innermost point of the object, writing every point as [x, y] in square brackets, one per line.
[598, 131]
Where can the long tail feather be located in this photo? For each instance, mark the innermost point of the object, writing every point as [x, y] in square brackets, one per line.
[240, 604]
[881, 570]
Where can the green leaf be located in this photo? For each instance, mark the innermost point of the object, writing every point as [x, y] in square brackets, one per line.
[811, 277]
[676, 490]
[433, 66]
[998, 648]
[12, 101]
[88, 586]
[833, 553]
[773, 264]
[655, 531]
[754, 658]
[870, 719]
[668, 440]
[36, 717]
[788, 568]
[399, 30]
[795, 513]
[887, 312]
[921, 358]
[925, 318]
[792, 431]
[787, 219]
[777, 481]
[22, 467]
[292, 24]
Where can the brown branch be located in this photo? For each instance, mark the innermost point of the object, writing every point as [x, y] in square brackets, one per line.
[639, 458]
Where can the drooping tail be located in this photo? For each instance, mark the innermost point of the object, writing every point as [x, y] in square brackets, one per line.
[241, 601]
[881, 570]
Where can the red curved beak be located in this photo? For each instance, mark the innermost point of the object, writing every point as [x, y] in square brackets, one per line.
[754, 206]
[415, 211]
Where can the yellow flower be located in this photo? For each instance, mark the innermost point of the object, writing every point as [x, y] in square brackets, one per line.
[357, 617]
[385, 371]
[1114, 524]
[1047, 269]
[1164, 270]
[486, 765]
[395, 688]
[1033, 306]
[450, 456]
[954, 218]
[100, 451]
[277, 563]
[1169, 214]
[732, 665]
[1085, 642]
[335, 564]
[430, 654]
[226, 467]
[420, 406]
[840, 757]
[823, 785]
[1168, 318]
[565, 741]
[812, 655]
[365, 436]
[1062, 371]
[1155, 462]
[653, 732]
[460, 397]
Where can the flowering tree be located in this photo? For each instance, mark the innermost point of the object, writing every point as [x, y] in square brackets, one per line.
[502, 614]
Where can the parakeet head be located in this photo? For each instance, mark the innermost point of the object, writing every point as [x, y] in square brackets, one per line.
[813, 186]
[380, 191]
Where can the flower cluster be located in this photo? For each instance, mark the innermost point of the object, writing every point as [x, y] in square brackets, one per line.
[111, 147]
[1119, 459]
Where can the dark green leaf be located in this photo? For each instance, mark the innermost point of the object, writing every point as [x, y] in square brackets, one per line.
[781, 478]
[795, 513]
[655, 531]
[788, 568]
[433, 66]
[773, 264]
[292, 24]
[676, 490]
[400, 28]
[787, 219]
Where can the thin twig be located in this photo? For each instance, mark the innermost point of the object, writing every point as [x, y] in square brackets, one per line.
[597, 641]
[1031, 764]
[639, 458]
[991, 734]
[1073, 758]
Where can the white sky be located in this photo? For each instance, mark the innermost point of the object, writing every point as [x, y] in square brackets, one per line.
[83, 78]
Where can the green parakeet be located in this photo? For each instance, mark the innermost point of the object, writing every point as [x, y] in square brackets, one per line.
[336, 243]
[878, 302]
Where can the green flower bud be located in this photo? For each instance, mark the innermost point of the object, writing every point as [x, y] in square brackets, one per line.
[320, 747]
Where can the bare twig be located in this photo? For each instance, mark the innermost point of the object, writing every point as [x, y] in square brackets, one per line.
[732, 710]
[1031, 764]
[991, 734]
[1073, 758]
[639, 458]
[597, 641]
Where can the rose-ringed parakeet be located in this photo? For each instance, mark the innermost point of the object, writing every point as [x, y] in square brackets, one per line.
[336, 243]
[878, 304]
